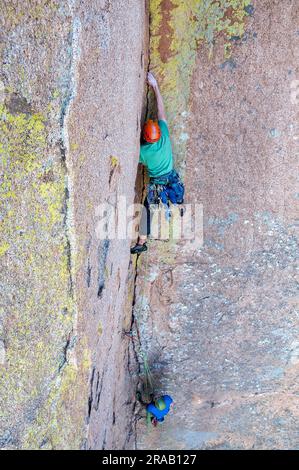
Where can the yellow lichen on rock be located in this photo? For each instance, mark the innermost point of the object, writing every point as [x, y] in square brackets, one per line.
[186, 25]
[35, 259]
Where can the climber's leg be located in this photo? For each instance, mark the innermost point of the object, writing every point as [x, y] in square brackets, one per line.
[144, 231]
[145, 222]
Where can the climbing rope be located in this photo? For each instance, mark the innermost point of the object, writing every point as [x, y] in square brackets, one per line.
[148, 380]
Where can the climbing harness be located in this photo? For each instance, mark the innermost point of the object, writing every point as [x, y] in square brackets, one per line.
[166, 189]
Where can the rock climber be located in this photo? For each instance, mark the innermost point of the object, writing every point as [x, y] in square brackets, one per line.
[158, 409]
[156, 155]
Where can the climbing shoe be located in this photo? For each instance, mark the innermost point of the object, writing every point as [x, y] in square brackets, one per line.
[137, 249]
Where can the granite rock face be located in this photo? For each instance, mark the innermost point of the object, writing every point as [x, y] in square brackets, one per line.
[80, 320]
[72, 83]
[219, 325]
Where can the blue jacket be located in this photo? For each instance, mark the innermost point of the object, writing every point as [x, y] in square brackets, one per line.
[159, 414]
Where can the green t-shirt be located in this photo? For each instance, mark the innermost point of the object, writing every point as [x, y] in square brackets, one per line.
[157, 157]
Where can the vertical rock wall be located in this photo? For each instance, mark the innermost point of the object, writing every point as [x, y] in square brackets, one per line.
[104, 131]
[71, 98]
[219, 325]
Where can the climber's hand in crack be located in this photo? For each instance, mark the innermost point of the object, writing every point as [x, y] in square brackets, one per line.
[151, 80]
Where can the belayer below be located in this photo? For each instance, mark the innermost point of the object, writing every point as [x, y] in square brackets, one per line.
[156, 154]
[158, 409]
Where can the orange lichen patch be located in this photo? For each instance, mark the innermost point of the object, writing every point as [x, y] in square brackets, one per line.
[165, 31]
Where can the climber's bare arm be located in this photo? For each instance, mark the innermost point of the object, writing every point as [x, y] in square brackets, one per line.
[160, 104]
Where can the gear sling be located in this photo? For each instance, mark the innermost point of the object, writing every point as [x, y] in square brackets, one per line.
[164, 189]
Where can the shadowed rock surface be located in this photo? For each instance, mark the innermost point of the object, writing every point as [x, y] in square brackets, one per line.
[220, 325]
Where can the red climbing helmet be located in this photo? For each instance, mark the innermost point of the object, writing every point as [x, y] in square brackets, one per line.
[151, 131]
